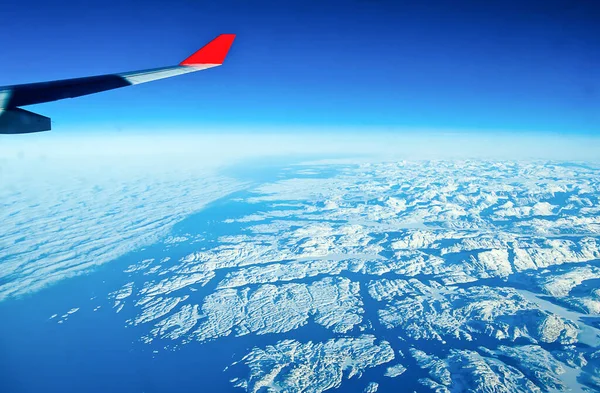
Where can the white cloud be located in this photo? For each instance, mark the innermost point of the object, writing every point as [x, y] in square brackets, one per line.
[63, 216]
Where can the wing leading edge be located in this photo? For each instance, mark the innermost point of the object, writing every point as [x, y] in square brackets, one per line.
[14, 120]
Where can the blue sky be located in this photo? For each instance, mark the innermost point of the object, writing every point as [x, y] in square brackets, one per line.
[516, 66]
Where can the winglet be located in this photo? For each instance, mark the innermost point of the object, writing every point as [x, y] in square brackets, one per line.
[212, 53]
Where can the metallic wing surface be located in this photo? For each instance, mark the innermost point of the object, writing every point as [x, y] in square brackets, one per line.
[14, 120]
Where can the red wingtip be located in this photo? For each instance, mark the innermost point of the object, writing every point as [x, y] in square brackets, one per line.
[212, 53]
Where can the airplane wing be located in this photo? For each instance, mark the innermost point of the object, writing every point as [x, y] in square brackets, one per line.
[14, 120]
